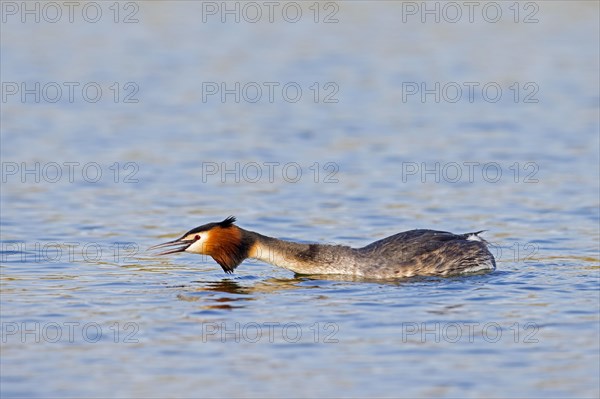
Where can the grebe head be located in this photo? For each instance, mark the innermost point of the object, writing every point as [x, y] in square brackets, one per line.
[221, 240]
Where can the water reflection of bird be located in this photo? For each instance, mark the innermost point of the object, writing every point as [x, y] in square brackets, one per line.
[406, 254]
[229, 294]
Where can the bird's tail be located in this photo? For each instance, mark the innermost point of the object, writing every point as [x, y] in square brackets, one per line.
[475, 236]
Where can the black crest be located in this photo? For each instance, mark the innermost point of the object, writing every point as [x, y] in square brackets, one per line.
[205, 227]
[227, 222]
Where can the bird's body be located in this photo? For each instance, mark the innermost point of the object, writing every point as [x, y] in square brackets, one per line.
[406, 254]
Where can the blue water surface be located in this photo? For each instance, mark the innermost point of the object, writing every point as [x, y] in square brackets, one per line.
[370, 129]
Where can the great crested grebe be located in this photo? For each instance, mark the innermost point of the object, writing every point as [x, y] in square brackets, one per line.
[411, 253]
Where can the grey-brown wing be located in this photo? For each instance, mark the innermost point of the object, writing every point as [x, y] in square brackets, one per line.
[430, 252]
[410, 244]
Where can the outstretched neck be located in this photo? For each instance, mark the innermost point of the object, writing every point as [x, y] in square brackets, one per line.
[298, 257]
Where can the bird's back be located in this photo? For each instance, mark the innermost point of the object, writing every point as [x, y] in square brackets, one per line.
[428, 252]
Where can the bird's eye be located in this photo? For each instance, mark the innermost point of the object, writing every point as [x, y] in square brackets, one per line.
[197, 237]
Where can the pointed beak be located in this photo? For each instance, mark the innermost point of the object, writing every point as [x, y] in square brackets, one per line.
[181, 246]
